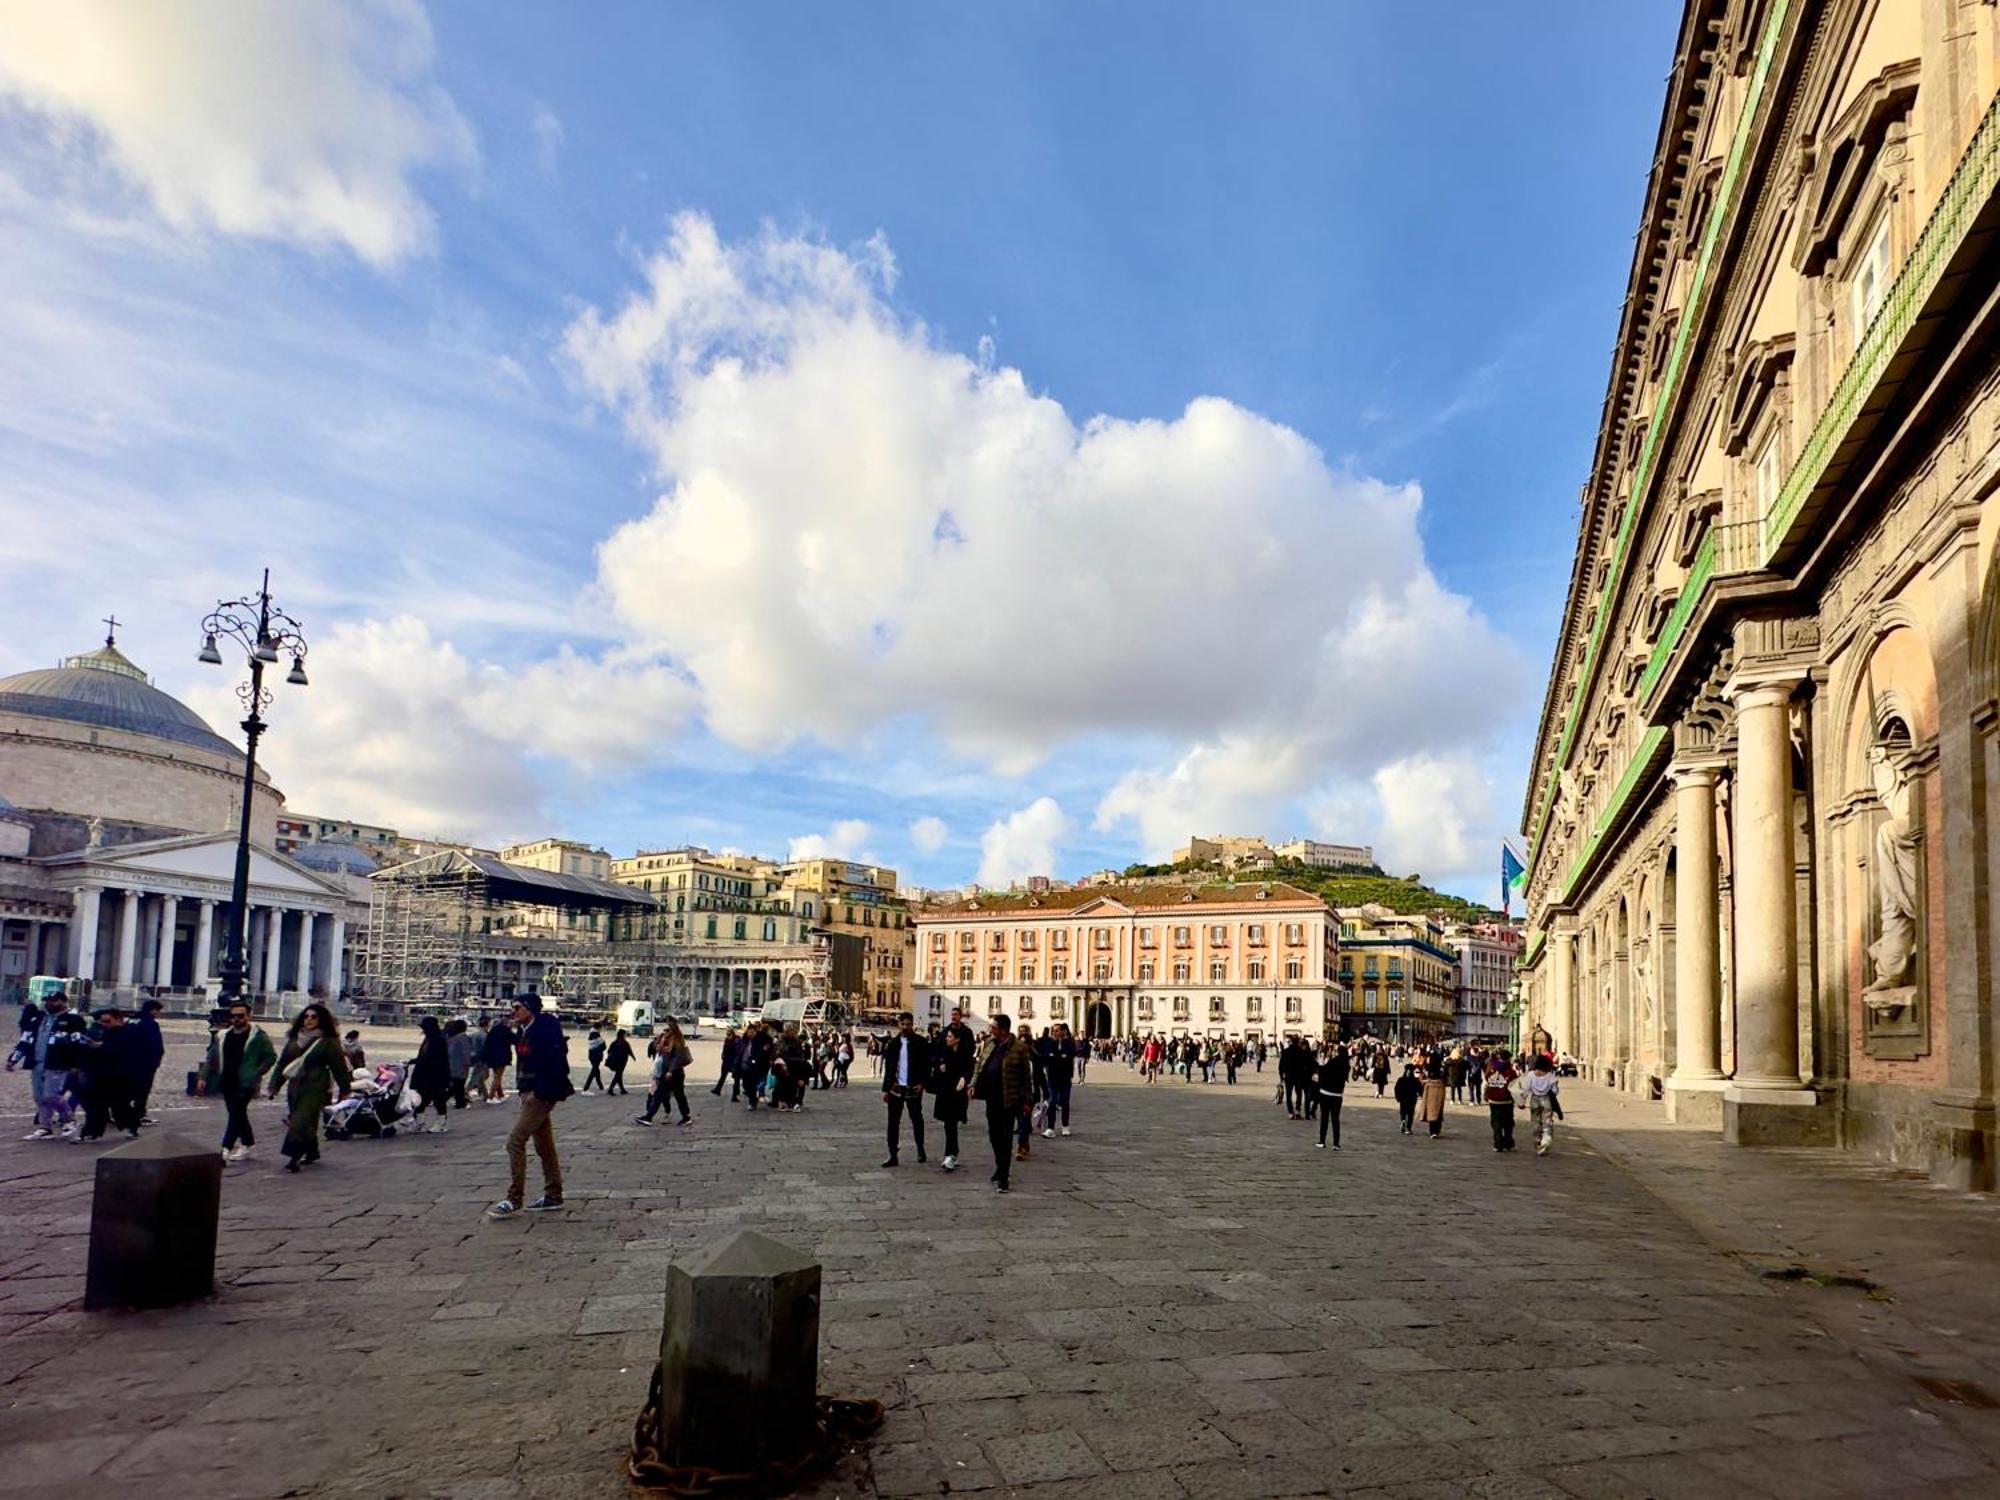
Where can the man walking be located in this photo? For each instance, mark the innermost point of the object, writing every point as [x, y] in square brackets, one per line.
[239, 1055]
[149, 1050]
[1330, 1082]
[732, 1050]
[497, 1052]
[541, 1082]
[1060, 1061]
[904, 1069]
[1005, 1080]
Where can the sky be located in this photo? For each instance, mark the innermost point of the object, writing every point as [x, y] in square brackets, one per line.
[986, 440]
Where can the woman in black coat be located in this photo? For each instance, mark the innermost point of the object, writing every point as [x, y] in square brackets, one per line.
[951, 1071]
[618, 1058]
[431, 1075]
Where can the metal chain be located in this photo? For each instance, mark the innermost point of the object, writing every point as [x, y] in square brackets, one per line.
[839, 1419]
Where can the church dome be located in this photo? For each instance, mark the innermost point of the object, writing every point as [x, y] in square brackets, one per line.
[103, 689]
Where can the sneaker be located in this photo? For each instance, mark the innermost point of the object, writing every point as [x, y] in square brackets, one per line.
[40, 1133]
[687, 1122]
[950, 1164]
[440, 1128]
[1320, 1144]
[544, 1204]
[506, 1208]
[147, 1120]
[1541, 1148]
[1064, 1131]
[1048, 1135]
[890, 1162]
[999, 1187]
[640, 1120]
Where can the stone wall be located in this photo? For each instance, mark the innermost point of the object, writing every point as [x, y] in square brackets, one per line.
[52, 767]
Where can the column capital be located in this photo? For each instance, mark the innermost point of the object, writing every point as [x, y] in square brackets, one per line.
[1697, 770]
[1763, 687]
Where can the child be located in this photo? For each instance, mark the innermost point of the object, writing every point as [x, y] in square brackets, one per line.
[1499, 1096]
[1408, 1090]
[1544, 1102]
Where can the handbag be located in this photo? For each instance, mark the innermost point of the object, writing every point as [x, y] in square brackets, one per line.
[1041, 1117]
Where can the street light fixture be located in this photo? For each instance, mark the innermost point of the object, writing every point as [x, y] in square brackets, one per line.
[261, 631]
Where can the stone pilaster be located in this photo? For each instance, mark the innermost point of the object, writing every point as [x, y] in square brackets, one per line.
[1694, 1091]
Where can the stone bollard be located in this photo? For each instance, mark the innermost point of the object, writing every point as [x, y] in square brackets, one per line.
[153, 1223]
[739, 1355]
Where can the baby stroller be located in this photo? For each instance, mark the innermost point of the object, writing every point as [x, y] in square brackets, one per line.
[379, 1103]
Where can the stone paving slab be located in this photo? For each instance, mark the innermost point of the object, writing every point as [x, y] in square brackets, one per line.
[1185, 1299]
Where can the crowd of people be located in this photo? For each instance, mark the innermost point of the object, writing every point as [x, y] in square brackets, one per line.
[93, 1073]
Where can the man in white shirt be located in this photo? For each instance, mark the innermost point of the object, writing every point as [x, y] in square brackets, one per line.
[906, 1066]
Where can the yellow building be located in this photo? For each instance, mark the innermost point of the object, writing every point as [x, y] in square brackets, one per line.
[859, 902]
[730, 933]
[1760, 810]
[1400, 977]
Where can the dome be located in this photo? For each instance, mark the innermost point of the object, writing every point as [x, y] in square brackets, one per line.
[335, 859]
[103, 689]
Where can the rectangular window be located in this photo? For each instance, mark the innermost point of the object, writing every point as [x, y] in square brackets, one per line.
[1100, 937]
[1295, 932]
[1870, 286]
[965, 973]
[1183, 936]
[1294, 1008]
[1256, 971]
[1058, 973]
[1145, 1007]
[997, 941]
[967, 941]
[1027, 973]
[1254, 1007]
[1295, 969]
[1027, 942]
[1145, 937]
[1215, 971]
[1368, 968]
[1256, 932]
[1059, 940]
[1180, 1008]
[1100, 972]
[1368, 998]
[1180, 971]
[1218, 1008]
[1218, 935]
[1027, 1008]
[1058, 1008]
[1145, 971]
[996, 973]
[1770, 476]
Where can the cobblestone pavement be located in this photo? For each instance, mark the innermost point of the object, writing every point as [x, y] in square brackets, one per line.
[1184, 1299]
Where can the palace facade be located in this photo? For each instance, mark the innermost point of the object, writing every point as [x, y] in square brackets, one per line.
[1249, 962]
[1760, 811]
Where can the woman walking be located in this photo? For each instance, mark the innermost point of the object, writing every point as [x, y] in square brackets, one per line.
[670, 1064]
[1408, 1090]
[1330, 1082]
[951, 1081]
[313, 1069]
[431, 1076]
[462, 1047]
[1431, 1108]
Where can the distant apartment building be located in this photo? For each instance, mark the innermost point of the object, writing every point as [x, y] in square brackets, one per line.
[560, 857]
[1325, 856]
[1401, 979]
[860, 902]
[296, 830]
[1487, 955]
[1249, 961]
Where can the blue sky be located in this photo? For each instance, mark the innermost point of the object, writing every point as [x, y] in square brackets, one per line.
[770, 426]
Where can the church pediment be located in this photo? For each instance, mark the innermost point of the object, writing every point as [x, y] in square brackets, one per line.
[1102, 906]
[202, 859]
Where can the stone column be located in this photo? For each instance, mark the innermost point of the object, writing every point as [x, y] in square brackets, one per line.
[1560, 1008]
[308, 931]
[1768, 1103]
[204, 942]
[163, 968]
[1694, 1092]
[336, 962]
[83, 932]
[35, 930]
[128, 940]
[274, 943]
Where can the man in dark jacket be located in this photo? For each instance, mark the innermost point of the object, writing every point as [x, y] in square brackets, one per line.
[755, 1057]
[905, 1067]
[541, 1082]
[1294, 1066]
[113, 1065]
[1059, 1058]
[732, 1053]
[1330, 1083]
[1005, 1079]
[151, 1048]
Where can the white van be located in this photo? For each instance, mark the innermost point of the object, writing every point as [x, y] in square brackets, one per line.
[636, 1017]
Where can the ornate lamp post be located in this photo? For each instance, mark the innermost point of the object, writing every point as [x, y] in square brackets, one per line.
[264, 633]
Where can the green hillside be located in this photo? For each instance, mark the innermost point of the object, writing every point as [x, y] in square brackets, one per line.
[1346, 887]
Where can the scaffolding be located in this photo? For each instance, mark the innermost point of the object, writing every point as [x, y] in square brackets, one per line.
[455, 929]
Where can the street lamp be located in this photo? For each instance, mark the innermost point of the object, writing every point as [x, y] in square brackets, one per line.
[263, 632]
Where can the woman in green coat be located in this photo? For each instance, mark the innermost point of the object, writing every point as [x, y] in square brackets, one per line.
[313, 1069]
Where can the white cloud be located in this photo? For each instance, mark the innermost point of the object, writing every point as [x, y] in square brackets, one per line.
[1022, 844]
[1438, 818]
[929, 834]
[549, 135]
[302, 122]
[402, 728]
[847, 839]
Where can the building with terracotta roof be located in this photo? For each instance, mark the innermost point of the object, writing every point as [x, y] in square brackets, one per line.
[1246, 961]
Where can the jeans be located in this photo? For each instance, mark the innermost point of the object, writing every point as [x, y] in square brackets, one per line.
[900, 1101]
[1503, 1124]
[1329, 1117]
[535, 1123]
[617, 1084]
[596, 1078]
[1000, 1133]
[458, 1092]
[950, 1138]
[1059, 1103]
[238, 1132]
[495, 1086]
